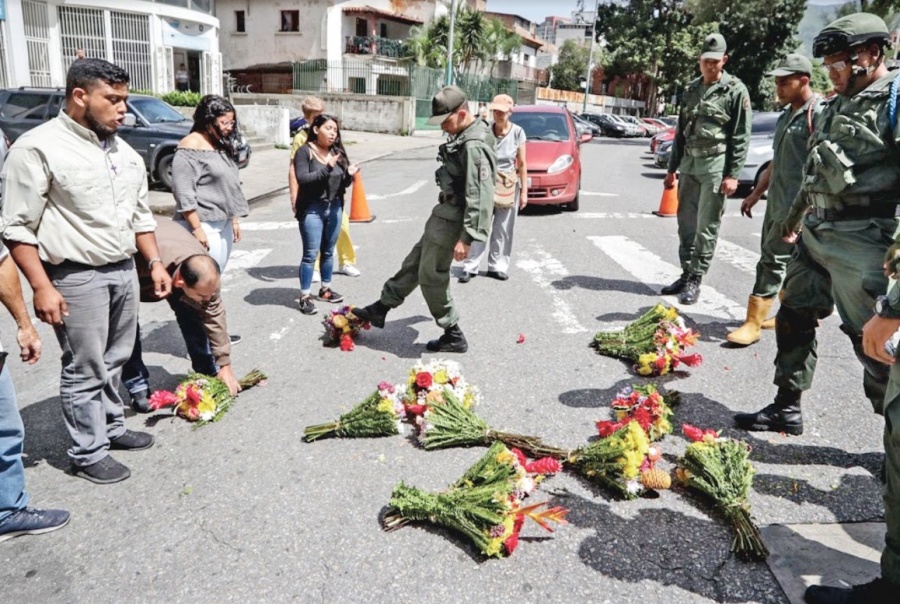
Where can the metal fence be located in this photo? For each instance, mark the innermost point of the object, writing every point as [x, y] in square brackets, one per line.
[37, 41]
[131, 47]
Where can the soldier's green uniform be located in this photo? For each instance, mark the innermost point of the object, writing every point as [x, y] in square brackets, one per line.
[711, 143]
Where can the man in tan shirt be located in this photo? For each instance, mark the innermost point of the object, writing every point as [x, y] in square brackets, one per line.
[75, 211]
[199, 311]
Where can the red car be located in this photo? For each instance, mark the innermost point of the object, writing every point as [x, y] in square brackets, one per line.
[553, 154]
[665, 135]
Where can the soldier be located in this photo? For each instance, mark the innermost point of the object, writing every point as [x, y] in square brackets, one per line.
[782, 179]
[851, 180]
[463, 215]
[710, 149]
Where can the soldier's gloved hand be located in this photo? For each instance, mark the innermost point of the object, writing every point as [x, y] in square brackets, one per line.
[892, 261]
[793, 223]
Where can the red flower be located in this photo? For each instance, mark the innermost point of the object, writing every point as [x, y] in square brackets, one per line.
[521, 339]
[416, 409]
[691, 360]
[545, 465]
[660, 362]
[513, 540]
[423, 379]
[346, 342]
[692, 432]
[162, 398]
[523, 461]
[192, 394]
[605, 428]
[643, 417]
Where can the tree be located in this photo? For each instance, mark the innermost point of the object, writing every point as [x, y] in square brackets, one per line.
[570, 67]
[758, 32]
[499, 43]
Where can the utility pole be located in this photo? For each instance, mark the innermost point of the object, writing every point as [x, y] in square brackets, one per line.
[450, 43]
[590, 61]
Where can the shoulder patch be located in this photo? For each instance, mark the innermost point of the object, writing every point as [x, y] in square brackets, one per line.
[484, 170]
[746, 103]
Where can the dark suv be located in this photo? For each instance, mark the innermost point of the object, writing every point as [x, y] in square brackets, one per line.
[155, 134]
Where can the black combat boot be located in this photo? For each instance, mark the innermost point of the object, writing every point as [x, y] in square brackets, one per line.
[676, 286]
[879, 591]
[373, 313]
[783, 415]
[453, 340]
[691, 292]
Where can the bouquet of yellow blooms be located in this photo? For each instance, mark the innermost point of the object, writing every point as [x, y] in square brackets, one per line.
[202, 398]
[615, 461]
[378, 415]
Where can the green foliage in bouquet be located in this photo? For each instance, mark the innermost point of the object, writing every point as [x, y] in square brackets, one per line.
[378, 415]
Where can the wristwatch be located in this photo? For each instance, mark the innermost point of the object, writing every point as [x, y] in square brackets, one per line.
[884, 310]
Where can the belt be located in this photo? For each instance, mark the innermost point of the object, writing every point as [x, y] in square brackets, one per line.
[827, 200]
[705, 151]
[71, 264]
[855, 212]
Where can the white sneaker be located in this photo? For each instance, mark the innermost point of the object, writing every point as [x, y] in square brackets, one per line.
[349, 270]
[317, 277]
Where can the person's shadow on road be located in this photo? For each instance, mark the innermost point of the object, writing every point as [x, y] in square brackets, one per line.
[397, 338]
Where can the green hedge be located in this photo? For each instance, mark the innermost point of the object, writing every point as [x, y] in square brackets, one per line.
[182, 99]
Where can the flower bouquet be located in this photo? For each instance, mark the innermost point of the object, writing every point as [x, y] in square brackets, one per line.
[427, 381]
[341, 326]
[616, 460]
[445, 422]
[720, 468]
[378, 415]
[485, 504]
[202, 398]
[654, 342]
[644, 404]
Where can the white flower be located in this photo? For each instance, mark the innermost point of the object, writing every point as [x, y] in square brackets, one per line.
[207, 416]
[634, 487]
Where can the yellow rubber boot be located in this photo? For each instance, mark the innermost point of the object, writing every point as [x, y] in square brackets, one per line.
[757, 311]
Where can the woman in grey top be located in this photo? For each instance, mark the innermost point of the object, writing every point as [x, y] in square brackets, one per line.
[511, 166]
[205, 180]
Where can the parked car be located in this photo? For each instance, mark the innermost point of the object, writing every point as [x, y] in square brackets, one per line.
[631, 129]
[587, 125]
[554, 154]
[157, 126]
[665, 135]
[608, 126]
[663, 153]
[759, 155]
[642, 128]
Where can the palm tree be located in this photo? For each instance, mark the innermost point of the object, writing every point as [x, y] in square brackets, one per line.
[498, 44]
[468, 38]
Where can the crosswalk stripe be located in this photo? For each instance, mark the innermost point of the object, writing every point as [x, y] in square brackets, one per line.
[602, 215]
[407, 191]
[595, 194]
[651, 270]
[738, 256]
[241, 260]
[268, 226]
[544, 269]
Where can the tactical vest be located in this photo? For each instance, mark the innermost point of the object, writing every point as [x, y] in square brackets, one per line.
[451, 175]
[705, 116]
[853, 159]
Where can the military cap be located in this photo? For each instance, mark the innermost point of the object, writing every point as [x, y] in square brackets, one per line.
[714, 47]
[447, 100]
[791, 64]
[845, 33]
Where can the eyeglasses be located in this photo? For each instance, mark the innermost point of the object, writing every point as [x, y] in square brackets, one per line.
[836, 66]
[225, 124]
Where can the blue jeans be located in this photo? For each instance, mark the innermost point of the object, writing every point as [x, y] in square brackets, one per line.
[12, 433]
[135, 375]
[319, 229]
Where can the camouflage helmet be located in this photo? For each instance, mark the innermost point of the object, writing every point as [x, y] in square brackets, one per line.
[845, 33]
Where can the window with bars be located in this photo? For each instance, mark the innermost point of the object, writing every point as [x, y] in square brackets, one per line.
[37, 41]
[290, 20]
[240, 24]
[81, 28]
[4, 74]
[131, 47]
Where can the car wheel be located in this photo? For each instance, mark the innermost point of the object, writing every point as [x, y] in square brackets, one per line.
[164, 170]
[573, 205]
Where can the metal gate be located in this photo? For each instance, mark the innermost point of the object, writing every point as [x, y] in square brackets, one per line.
[81, 28]
[131, 47]
[37, 39]
[4, 74]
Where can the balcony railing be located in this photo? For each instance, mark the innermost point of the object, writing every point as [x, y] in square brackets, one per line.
[374, 45]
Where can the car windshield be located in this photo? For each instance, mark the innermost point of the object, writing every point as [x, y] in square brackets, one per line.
[543, 126]
[155, 111]
[764, 123]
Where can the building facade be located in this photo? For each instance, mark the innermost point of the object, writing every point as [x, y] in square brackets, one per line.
[39, 40]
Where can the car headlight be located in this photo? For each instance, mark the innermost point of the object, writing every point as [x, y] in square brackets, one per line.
[664, 147]
[562, 162]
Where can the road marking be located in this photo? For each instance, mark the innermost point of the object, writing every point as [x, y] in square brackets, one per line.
[544, 269]
[268, 226]
[241, 260]
[594, 194]
[602, 215]
[651, 270]
[277, 335]
[407, 191]
[397, 220]
[738, 256]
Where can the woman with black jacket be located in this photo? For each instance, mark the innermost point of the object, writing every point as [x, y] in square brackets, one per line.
[323, 173]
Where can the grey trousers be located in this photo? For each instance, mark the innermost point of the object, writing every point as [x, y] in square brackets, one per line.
[499, 242]
[96, 339]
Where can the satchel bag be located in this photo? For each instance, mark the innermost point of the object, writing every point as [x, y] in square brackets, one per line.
[505, 189]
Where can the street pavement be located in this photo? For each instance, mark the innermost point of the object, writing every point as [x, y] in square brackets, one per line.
[244, 511]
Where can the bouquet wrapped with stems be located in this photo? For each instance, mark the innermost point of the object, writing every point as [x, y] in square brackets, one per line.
[655, 342]
[446, 422]
[615, 461]
[427, 381]
[485, 504]
[342, 326]
[720, 468]
[378, 415]
[644, 404]
[203, 399]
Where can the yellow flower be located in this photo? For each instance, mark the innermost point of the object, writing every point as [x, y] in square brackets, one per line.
[505, 456]
[340, 321]
[620, 415]
[493, 547]
[441, 377]
[671, 314]
[385, 406]
[207, 404]
[468, 399]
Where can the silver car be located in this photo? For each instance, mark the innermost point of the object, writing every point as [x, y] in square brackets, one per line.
[759, 155]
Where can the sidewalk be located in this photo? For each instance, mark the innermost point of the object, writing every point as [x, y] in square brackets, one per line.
[266, 176]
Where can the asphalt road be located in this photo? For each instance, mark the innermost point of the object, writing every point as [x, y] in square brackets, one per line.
[243, 511]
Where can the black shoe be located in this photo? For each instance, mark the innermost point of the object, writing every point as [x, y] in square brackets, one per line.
[326, 294]
[373, 313]
[132, 441]
[453, 340]
[497, 275]
[105, 471]
[140, 401]
[676, 286]
[235, 339]
[29, 521]
[783, 415]
[306, 306]
[879, 591]
[691, 292]
[466, 277]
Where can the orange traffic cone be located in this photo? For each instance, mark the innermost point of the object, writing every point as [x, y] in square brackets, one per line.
[668, 205]
[359, 207]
